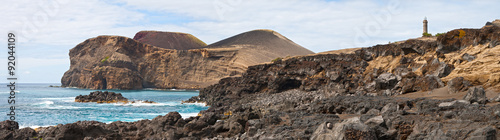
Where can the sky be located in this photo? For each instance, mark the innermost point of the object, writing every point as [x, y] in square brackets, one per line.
[48, 29]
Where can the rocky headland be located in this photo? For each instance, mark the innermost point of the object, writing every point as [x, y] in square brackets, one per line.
[443, 87]
[115, 62]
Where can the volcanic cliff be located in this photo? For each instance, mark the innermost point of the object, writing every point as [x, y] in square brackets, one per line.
[115, 62]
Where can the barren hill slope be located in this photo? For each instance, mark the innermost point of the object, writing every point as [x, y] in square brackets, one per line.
[259, 46]
[169, 40]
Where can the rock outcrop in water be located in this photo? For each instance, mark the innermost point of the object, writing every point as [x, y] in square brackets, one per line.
[114, 62]
[393, 91]
[101, 97]
[169, 40]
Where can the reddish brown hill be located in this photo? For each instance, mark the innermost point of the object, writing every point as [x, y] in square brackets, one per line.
[114, 62]
[259, 46]
[169, 40]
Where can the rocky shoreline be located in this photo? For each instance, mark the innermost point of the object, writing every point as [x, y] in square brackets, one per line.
[414, 89]
[295, 114]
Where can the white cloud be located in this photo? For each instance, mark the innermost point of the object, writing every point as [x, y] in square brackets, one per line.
[29, 63]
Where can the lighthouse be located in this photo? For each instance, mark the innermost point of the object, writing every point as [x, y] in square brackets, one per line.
[425, 25]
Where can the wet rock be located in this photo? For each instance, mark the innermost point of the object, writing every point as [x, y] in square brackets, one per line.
[476, 94]
[458, 84]
[349, 129]
[101, 97]
[488, 23]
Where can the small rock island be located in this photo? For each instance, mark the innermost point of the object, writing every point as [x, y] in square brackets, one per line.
[101, 97]
[107, 97]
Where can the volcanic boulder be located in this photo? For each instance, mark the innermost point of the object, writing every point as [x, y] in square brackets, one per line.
[476, 94]
[458, 84]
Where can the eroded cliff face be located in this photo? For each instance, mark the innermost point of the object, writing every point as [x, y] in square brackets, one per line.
[114, 62]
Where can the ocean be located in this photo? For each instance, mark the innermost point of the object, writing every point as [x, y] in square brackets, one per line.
[38, 105]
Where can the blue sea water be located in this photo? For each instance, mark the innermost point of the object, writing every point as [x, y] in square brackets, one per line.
[40, 105]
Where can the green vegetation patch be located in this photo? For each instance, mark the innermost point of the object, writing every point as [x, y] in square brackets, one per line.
[105, 59]
[426, 35]
[276, 59]
[438, 34]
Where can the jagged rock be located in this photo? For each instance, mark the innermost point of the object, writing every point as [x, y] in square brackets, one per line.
[458, 84]
[349, 129]
[488, 23]
[436, 68]
[386, 81]
[389, 109]
[426, 83]
[8, 124]
[101, 97]
[476, 94]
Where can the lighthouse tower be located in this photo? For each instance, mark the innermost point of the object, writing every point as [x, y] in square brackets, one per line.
[425, 25]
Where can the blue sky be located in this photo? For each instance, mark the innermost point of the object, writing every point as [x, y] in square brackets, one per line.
[49, 28]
